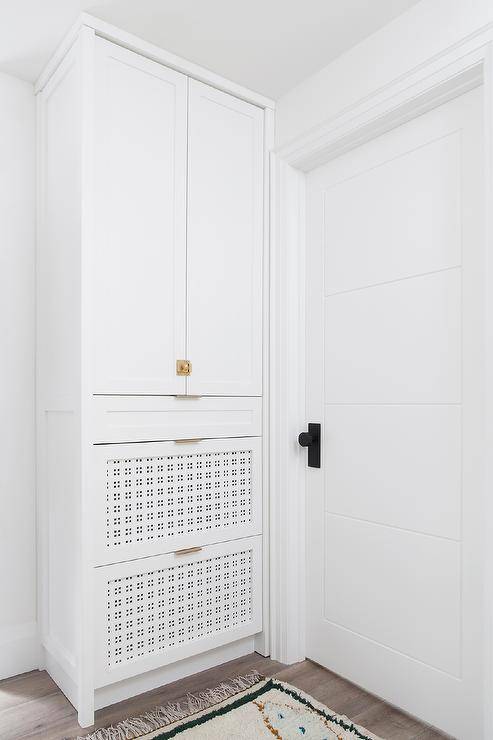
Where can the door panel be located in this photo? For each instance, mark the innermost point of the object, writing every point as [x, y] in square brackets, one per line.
[372, 452]
[395, 314]
[387, 241]
[391, 571]
[139, 260]
[397, 343]
[224, 244]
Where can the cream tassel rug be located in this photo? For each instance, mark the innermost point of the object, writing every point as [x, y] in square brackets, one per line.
[245, 708]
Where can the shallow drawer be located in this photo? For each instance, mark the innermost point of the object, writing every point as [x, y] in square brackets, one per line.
[157, 497]
[154, 418]
[155, 611]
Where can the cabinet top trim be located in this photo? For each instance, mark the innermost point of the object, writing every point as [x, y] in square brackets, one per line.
[151, 51]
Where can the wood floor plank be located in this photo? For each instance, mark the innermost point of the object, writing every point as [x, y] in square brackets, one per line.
[340, 695]
[26, 687]
[33, 708]
[388, 722]
[430, 734]
[35, 717]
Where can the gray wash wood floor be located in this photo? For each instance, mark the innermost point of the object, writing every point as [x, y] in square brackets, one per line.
[32, 706]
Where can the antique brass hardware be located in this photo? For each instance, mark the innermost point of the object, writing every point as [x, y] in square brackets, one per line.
[183, 367]
[188, 550]
[188, 441]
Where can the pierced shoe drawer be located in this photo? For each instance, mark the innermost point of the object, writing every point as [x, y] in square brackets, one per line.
[158, 610]
[164, 496]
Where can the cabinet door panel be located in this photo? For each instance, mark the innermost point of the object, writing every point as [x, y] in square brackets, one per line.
[139, 262]
[224, 243]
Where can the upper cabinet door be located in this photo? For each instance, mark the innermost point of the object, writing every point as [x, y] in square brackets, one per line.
[224, 243]
[139, 259]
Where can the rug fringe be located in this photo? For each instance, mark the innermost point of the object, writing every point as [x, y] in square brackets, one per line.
[174, 711]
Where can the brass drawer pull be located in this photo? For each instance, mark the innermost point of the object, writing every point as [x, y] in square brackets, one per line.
[188, 441]
[188, 550]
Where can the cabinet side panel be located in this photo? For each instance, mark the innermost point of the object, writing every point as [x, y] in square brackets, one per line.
[59, 242]
[61, 452]
[58, 358]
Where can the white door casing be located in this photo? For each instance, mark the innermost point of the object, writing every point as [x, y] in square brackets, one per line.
[395, 320]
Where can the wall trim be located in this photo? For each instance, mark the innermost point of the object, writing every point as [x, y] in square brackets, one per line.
[445, 76]
[262, 641]
[441, 67]
[287, 412]
[20, 648]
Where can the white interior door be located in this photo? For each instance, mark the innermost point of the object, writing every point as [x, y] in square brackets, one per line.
[395, 359]
[139, 259]
[224, 243]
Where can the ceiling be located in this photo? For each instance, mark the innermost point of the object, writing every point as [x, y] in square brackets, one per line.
[266, 45]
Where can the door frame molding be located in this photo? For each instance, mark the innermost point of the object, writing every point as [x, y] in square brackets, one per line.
[454, 71]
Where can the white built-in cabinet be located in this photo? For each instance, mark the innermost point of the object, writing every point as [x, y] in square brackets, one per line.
[178, 230]
[149, 373]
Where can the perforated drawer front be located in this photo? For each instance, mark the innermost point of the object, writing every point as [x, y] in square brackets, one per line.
[154, 611]
[159, 497]
[151, 498]
[166, 607]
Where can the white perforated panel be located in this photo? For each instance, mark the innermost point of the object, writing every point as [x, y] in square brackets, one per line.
[153, 498]
[151, 612]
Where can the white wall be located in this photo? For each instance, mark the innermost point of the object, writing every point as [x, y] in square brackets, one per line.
[18, 640]
[424, 30]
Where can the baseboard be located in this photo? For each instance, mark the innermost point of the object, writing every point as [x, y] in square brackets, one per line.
[60, 676]
[20, 649]
[174, 672]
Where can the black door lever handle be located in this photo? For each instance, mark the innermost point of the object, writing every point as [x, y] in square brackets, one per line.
[311, 439]
[305, 439]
